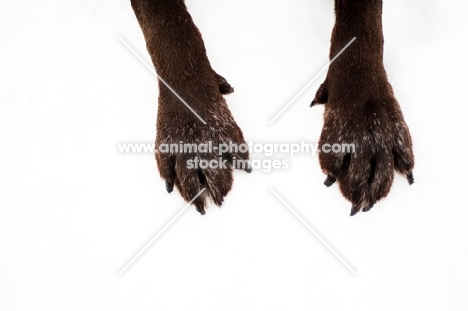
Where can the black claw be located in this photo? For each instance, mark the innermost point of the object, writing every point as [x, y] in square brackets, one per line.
[169, 186]
[354, 210]
[201, 210]
[329, 181]
[410, 178]
[312, 103]
[368, 208]
[248, 168]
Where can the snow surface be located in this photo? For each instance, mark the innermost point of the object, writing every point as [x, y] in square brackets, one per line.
[74, 211]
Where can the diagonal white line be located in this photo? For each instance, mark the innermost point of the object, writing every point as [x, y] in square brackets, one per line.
[311, 81]
[314, 233]
[159, 233]
[161, 79]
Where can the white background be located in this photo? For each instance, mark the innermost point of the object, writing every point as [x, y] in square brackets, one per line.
[74, 211]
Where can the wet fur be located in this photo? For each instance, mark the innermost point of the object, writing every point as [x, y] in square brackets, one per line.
[360, 108]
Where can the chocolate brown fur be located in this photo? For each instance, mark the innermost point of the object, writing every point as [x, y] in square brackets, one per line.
[178, 53]
[360, 108]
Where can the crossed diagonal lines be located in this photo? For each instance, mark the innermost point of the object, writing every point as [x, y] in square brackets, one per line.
[159, 233]
[322, 241]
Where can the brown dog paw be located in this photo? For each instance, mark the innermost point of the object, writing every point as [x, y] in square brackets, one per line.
[193, 156]
[361, 147]
[364, 137]
[192, 112]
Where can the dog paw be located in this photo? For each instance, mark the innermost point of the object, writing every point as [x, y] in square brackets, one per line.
[362, 143]
[193, 156]
[192, 112]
